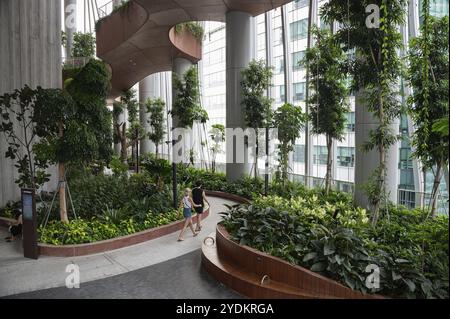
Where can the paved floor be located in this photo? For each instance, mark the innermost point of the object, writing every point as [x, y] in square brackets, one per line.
[19, 275]
[179, 278]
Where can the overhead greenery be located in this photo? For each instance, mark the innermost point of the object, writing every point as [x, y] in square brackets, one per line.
[256, 79]
[328, 102]
[194, 28]
[124, 4]
[375, 70]
[290, 121]
[156, 108]
[83, 45]
[428, 75]
[186, 106]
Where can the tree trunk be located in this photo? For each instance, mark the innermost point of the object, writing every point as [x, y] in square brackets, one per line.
[435, 190]
[62, 184]
[329, 164]
[256, 153]
[382, 167]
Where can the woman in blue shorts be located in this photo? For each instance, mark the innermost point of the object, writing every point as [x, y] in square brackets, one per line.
[187, 203]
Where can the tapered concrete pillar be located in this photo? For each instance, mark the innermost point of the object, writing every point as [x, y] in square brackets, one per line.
[149, 88]
[70, 24]
[240, 51]
[30, 54]
[367, 162]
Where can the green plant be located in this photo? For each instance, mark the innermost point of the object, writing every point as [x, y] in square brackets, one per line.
[428, 75]
[156, 109]
[21, 132]
[327, 234]
[186, 107]
[289, 120]
[328, 102]
[376, 66]
[83, 45]
[194, 28]
[118, 167]
[217, 135]
[159, 169]
[256, 79]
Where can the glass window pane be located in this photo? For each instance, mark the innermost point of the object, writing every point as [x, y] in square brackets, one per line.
[346, 156]
[299, 29]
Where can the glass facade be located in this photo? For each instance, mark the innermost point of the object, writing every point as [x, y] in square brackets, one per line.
[296, 22]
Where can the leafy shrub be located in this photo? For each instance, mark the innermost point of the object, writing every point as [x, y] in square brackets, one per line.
[118, 167]
[330, 236]
[81, 231]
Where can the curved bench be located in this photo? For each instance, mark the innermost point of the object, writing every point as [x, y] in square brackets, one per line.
[258, 275]
[138, 39]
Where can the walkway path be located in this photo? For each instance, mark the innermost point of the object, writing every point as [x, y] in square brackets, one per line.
[19, 275]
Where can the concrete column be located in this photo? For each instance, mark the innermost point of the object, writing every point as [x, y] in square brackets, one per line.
[309, 141]
[367, 162]
[149, 88]
[240, 51]
[118, 146]
[180, 67]
[30, 53]
[70, 23]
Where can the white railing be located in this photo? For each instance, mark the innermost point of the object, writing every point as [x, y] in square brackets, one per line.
[106, 9]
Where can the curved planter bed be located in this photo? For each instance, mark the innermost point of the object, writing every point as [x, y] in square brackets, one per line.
[120, 242]
[258, 275]
[106, 245]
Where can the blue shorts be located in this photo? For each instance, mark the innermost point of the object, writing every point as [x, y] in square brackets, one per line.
[187, 212]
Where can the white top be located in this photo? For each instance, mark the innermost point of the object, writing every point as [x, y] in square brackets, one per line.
[187, 202]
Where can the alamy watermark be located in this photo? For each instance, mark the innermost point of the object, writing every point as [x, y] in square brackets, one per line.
[73, 280]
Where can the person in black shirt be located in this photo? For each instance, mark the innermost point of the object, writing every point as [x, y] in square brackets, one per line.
[199, 198]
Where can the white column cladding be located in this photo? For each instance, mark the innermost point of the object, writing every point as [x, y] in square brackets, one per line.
[180, 67]
[149, 88]
[309, 142]
[70, 24]
[367, 162]
[30, 53]
[240, 50]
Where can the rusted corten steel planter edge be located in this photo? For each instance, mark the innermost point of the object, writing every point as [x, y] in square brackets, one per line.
[106, 245]
[120, 242]
[302, 282]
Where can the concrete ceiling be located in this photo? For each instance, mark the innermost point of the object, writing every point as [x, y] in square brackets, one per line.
[139, 39]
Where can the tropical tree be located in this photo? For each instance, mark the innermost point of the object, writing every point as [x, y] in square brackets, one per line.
[156, 109]
[428, 75]
[74, 124]
[289, 120]
[375, 70]
[19, 128]
[256, 78]
[83, 45]
[135, 132]
[217, 135]
[186, 107]
[127, 136]
[328, 103]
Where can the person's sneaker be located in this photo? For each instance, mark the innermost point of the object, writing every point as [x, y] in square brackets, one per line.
[180, 239]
